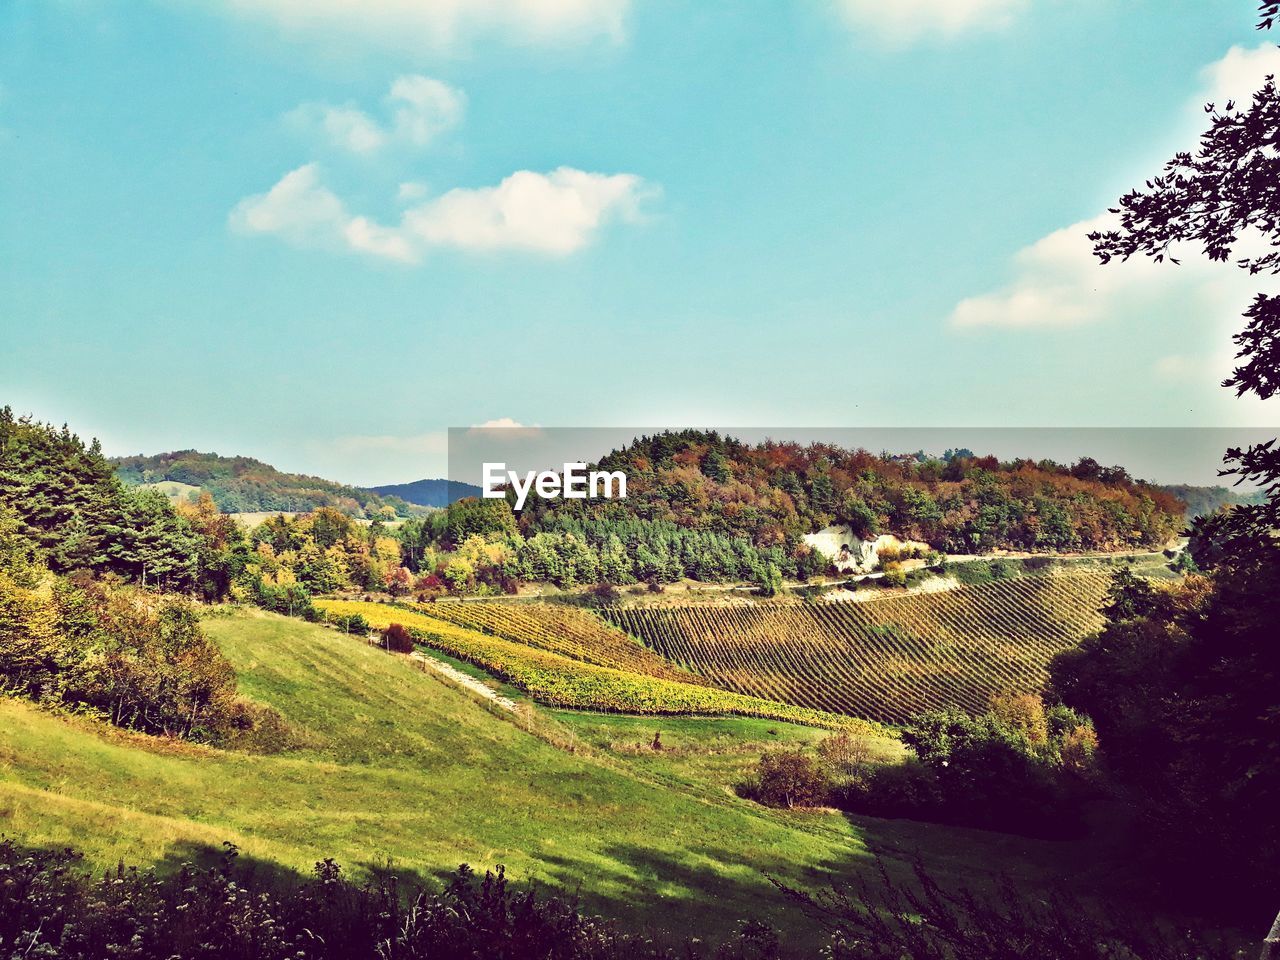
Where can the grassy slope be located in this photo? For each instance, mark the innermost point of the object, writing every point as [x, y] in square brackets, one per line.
[401, 765]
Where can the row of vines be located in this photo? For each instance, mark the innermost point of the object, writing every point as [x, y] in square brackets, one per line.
[562, 681]
[884, 659]
[570, 631]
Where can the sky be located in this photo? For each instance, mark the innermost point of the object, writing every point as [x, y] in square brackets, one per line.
[321, 232]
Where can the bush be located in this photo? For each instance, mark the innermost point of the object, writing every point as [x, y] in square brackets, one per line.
[845, 753]
[354, 623]
[51, 908]
[894, 576]
[908, 789]
[604, 594]
[789, 778]
[1018, 768]
[129, 656]
[397, 639]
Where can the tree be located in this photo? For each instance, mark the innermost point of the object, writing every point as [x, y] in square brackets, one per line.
[768, 580]
[1184, 683]
[1217, 198]
[790, 778]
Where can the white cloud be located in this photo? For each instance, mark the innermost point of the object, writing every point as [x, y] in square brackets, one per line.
[902, 22]
[411, 190]
[419, 110]
[554, 213]
[1057, 282]
[424, 107]
[502, 423]
[1238, 74]
[435, 25]
[298, 208]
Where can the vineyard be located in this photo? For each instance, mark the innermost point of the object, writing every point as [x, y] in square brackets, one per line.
[570, 631]
[558, 680]
[884, 659]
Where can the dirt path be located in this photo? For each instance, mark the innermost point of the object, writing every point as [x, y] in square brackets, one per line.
[464, 680]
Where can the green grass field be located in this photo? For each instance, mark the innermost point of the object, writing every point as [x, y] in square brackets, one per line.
[175, 490]
[401, 769]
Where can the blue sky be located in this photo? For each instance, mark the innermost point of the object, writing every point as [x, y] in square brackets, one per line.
[322, 232]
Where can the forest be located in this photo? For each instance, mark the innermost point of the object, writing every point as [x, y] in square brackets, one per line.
[246, 485]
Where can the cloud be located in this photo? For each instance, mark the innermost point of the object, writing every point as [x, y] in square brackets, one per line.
[436, 25]
[903, 22]
[302, 211]
[411, 190]
[505, 430]
[1057, 282]
[1238, 74]
[556, 214]
[419, 110]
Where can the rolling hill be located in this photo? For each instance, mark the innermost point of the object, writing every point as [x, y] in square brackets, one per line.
[246, 485]
[816, 662]
[428, 493]
[399, 769]
[1201, 501]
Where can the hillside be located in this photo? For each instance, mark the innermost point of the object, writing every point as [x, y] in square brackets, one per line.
[593, 679]
[872, 656]
[770, 495]
[1202, 501]
[886, 658]
[400, 767]
[428, 493]
[245, 485]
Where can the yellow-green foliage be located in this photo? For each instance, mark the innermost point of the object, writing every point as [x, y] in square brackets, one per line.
[560, 681]
[570, 631]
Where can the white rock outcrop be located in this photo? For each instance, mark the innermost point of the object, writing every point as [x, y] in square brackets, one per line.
[851, 554]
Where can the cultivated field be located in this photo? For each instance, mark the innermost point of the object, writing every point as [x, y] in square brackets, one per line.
[560, 628]
[883, 659]
[561, 681]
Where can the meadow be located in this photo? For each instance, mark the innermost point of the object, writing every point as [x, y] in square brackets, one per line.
[399, 770]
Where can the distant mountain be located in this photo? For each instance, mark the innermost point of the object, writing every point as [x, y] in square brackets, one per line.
[242, 484]
[428, 493]
[1202, 501]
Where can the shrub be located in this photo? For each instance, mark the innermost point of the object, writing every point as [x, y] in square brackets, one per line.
[894, 576]
[604, 594]
[790, 778]
[353, 623]
[397, 639]
[1025, 714]
[51, 908]
[129, 656]
[1007, 769]
[844, 752]
[908, 789]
